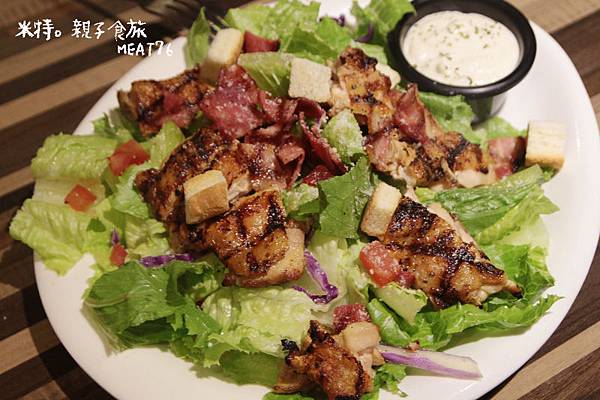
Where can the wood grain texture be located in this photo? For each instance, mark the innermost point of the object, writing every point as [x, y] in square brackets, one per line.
[47, 87]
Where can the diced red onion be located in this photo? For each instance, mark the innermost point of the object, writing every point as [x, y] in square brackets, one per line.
[320, 277]
[157, 261]
[433, 361]
[114, 237]
[367, 37]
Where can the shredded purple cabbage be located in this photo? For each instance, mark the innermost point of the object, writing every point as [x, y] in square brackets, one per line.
[320, 277]
[366, 38]
[157, 261]
[114, 238]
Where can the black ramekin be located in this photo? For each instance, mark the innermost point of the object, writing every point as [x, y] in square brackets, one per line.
[486, 100]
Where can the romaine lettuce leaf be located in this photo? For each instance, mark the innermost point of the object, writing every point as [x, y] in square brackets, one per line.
[72, 157]
[256, 368]
[383, 15]
[492, 212]
[250, 320]
[103, 127]
[145, 237]
[135, 305]
[56, 232]
[197, 43]
[344, 199]
[302, 201]
[344, 134]
[319, 42]
[387, 377]
[496, 127]
[373, 50]
[161, 145]
[250, 18]
[435, 329]
[270, 70]
[452, 112]
[277, 22]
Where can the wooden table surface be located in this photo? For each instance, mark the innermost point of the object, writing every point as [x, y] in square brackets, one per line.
[48, 86]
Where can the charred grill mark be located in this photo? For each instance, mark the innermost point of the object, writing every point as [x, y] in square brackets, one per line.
[275, 217]
[454, 152]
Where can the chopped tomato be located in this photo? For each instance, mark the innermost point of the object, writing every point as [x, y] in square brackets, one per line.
[320, 173]
[80, 198]
[118, 254]
[127, 154]
[349, 314]
[379, 263]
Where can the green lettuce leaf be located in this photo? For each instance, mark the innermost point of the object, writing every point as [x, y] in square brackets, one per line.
[344, 134]
[388, 323]
[250, 320]
[285, 15]
[452, 112]
[523, 264]
[125, 197]
[72, 157]
[492, 212]
[387, 377]
[103, 127]
[270, 70]
[496, 127]
[324, 43]
[344, 199]
[250, 18]
[277, 22]
[56, 232]
[145, 237]
[302, 201]
[196, 47]
[257, 368]
[373, 50]
[383, 15]
[137, 306]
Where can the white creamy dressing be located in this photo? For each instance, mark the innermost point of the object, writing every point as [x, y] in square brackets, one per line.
[461, 49]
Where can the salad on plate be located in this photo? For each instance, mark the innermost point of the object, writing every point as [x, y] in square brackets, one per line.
[290, 212]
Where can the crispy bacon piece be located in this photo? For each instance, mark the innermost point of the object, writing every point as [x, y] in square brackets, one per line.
[151, 103]
[339, 373]
[348, 314]
[445, 267]
[508, 154]
[254, 43]
[319, 173]
[322, 149]
[234, 106]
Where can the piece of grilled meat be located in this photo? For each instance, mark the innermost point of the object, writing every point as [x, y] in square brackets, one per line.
[404, 139]
[339, 373]
[252, 239]
[151, 103]
[447, 268]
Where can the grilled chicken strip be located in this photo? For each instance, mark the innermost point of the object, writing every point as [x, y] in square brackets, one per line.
[151, 103]
[404, 139]
[447, 268]
[331, 366]
[163, 189]
[252, 238]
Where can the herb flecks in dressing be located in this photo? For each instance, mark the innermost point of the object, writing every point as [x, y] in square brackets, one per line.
[461, 49]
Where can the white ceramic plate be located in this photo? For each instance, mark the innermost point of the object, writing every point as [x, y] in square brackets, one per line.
[551, 91]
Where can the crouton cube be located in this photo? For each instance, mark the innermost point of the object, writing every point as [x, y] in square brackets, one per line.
[310, 80]
[223, 52]
[389, 72]
[205, 196]
[546, 144]
[380, 209]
